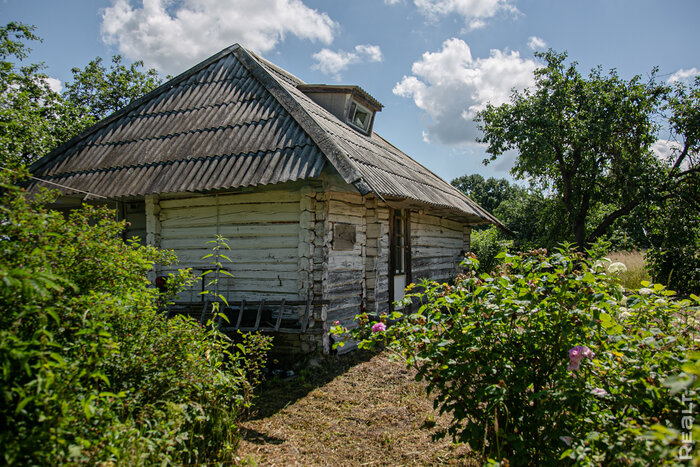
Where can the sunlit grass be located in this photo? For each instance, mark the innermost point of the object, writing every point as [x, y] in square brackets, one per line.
[636, 268]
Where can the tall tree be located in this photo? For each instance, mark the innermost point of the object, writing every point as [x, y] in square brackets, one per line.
[489, 193]
[673, 221]
[586, 139]
[33, 118]
[101, 91]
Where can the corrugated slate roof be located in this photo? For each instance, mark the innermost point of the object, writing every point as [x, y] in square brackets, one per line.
[236, 120]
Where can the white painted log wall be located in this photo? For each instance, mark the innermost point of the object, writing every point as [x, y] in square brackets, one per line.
[263, 231]
[344, 272]
[377, 257]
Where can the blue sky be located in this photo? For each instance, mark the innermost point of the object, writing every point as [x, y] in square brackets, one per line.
[432, 63]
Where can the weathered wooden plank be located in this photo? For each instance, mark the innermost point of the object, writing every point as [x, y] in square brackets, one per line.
[240, 314]
[426, 236]
[235, 243]
[279, 316]
[348, 197]
[252, 217]
[233, 231]
[418, 262]
[264, 255]
[257, 318]
[242, 286]
[254, 274]
[352, 261]
[337, 277]
[445, 252]
[279, 196]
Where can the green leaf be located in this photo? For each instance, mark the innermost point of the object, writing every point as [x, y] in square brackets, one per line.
[23, 403]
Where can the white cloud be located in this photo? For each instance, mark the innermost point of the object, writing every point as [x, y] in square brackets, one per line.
[667, 151]
[54, 84]
[451, 87]
[474, 12]
[171, 36]
[330, 62]
[476, 23]
[393, 2]
[684, 76]
[535, 43]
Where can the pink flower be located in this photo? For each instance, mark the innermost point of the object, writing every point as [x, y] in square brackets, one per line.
[577, 354]
[379, 327]
[573, 365]
[600, 392]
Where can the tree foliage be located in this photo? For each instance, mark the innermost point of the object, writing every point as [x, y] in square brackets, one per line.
[587, 139]
[33, 118]
[101, 92]
[489, 193]
[93, 372]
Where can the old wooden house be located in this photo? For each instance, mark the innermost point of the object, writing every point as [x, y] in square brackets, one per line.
[324, 217]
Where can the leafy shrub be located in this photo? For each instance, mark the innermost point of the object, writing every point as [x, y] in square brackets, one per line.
[487, 244]
[674, 231]
[677, 266]
[92, 370]
[546, 360]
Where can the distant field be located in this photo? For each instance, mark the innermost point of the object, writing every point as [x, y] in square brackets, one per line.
[636, 270]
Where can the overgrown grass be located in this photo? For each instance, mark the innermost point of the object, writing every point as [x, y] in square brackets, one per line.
[636, 268]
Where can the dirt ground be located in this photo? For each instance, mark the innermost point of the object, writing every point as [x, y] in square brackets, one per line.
[356, 409]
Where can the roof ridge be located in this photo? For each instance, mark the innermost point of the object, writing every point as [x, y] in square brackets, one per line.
[335, 155]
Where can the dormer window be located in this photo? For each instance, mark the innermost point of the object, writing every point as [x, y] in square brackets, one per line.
[359, 117]
[350, 104]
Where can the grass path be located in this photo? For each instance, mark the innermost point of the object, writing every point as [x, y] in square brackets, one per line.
[356, 409]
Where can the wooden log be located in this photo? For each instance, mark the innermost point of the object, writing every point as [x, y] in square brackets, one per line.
[279, 316]
[307, 312]
[271, 196]
[257, 319]
[240, 315]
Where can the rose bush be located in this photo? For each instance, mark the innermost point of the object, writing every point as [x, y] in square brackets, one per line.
[546, 360]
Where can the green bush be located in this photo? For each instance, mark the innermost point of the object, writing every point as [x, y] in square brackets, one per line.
[92, 371]
[487, 244]
[546, 361]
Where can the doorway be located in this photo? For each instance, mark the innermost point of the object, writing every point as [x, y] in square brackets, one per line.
[400, 253]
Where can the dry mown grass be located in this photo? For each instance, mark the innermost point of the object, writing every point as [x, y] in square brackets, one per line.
[636, 268]
[356, 409]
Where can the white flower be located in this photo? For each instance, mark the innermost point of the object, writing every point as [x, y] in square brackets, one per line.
[646, 291]
[600, 392]
[566, 439]
[617, 268]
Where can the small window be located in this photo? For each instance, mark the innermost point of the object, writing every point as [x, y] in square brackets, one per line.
[359, 116]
